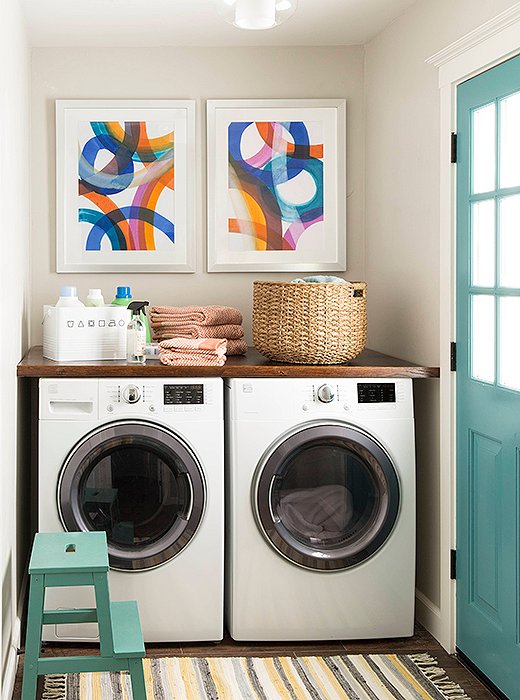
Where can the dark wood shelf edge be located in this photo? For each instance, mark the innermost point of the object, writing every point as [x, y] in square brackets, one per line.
[369, 363]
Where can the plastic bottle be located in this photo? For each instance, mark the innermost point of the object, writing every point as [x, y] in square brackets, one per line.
[94, 298]
[123, 298]
[136, 334]
[69, 297]
[152, 351]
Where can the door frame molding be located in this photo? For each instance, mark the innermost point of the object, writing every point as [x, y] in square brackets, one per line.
[484, 47]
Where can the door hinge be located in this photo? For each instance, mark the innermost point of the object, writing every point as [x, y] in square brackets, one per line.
[453, 356]
[453, 157]
[453, 564]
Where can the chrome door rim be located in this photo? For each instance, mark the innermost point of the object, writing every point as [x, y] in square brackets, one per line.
[177, 537]
[280, 538]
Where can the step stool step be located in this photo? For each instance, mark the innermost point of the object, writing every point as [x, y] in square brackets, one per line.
[69, 552]
[126, 629]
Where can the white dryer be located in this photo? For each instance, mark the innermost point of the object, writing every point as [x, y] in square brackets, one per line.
[321, 509]
[143, 460]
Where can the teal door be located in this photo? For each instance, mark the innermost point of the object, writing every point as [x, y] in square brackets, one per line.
[488, 374]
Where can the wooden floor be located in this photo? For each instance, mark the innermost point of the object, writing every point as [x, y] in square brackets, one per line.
[422, 641]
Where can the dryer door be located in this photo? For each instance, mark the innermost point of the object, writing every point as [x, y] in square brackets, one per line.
[327, 497]
[139, 483]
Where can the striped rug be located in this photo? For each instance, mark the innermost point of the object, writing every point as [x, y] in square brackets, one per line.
[363, 677]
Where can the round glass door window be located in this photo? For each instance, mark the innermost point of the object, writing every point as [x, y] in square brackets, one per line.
[140, 484]
[327, 497]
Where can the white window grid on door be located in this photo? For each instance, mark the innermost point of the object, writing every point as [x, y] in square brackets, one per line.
[494, 201]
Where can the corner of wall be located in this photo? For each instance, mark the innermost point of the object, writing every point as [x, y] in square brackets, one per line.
[11, 662]
[14, 284]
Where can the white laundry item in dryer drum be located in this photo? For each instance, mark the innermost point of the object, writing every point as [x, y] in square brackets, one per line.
[141, 459]
[320, 509]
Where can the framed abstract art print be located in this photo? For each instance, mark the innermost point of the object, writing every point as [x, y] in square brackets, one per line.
[125, 185]
[276, 185]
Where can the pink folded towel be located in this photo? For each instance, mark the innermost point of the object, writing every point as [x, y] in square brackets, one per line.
[205, 352]
[188, 360]
[211, 315]
[236, 347]
[164, 330]
[196, 345]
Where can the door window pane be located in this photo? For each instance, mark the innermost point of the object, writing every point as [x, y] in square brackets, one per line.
[483, 337]
[135, 495]
[327, 496]
[509, 342]
[139, 484]
[510, 141]
[483, 243]
[484, 148]
[510, 241]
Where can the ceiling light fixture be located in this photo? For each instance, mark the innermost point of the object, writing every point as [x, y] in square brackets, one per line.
[256, 14]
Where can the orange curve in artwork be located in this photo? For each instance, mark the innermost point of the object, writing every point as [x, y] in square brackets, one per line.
[146, 145]
[267, 132]
[107, 206]
[149, 200]
[256, 219]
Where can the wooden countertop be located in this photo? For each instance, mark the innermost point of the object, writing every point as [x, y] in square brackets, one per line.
[368, 364]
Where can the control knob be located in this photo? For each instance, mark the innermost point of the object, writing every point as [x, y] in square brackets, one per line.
[325, 393]
[131, 394]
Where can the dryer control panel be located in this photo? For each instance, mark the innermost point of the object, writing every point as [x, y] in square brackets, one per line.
[386, 398]
[375, 392]
[327, 397]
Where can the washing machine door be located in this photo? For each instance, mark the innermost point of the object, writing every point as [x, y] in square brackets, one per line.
[327, 496]
[139, 483]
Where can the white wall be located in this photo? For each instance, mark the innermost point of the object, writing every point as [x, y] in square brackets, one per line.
[14, 268]
[402, 228]
[189, 73]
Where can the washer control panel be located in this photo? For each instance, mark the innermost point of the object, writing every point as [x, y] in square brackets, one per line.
[183, 394]
[188, 399]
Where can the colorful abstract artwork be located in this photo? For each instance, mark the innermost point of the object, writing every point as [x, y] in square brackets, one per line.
[125, 197]
[276, 185]
[126, 181]
[275, 181]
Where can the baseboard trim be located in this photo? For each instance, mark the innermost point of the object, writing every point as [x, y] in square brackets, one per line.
[428, 614]
[12, 662]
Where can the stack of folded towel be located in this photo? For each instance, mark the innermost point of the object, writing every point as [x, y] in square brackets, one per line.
[221, 322]
[186, 352]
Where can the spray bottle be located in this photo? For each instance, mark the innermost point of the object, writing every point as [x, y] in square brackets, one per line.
[123, 298]
[136, 334]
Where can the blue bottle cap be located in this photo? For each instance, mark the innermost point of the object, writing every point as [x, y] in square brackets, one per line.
[69, 292]
[123, 293]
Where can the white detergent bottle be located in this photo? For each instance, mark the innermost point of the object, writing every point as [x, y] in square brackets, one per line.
[69, 297]
[136, 335]
[94, 298]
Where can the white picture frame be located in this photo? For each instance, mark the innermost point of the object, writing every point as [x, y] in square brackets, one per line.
[294, 219]
[125, 185]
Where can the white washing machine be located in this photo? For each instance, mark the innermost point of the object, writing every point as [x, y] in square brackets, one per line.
[321, 509]
[142, 459]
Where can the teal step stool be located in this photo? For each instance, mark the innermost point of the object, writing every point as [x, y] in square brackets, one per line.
[80, 559]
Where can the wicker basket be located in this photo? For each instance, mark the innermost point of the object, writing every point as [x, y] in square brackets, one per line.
[313, 323]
